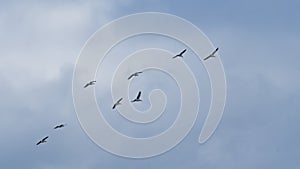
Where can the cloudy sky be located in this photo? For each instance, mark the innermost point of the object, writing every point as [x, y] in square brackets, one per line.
[258, 40]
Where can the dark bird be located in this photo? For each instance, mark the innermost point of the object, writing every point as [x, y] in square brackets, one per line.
[212, 54]
[117, 103]
[138, 97]
[90, 83]
[59, 126]
[180, 54]
[42, 141]
[134, 74]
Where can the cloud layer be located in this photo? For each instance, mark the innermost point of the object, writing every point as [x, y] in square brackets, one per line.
[39, 43]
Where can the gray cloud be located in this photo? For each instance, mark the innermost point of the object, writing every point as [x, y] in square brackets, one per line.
[39, 48]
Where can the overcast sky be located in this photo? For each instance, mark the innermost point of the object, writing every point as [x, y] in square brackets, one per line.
[258, 40]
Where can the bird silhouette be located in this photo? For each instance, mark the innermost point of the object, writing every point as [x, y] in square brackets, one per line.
[90, 83]
[138, 97]
[134, 74]
[212, 54]
[43, 140]
[117, 103]
[59, 126]
[180, 54]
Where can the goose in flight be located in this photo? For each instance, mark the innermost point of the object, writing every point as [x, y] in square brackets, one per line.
[180, 54]
[90, 83]
[117, 103]
[138, 97]
[212, 54]
[59, 126]
[43, 140]
[134, 74]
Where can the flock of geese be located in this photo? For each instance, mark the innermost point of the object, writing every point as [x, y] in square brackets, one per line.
[138, 97]
[44, 140]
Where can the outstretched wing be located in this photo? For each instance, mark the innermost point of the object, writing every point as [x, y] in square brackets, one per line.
[44, 139]
[207, 57]
[130, 76]
[215, 51]
[139, 95]
[118, 102]
[38, 142]
[85, 86]
[183, 52]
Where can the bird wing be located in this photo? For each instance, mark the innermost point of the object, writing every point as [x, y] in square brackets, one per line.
[207, 57]
[139, 95]
[38, 142]
[182, 52]
[215, 51]
[86, 85]
[130, 76]
[44, 139]
[119, 100]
